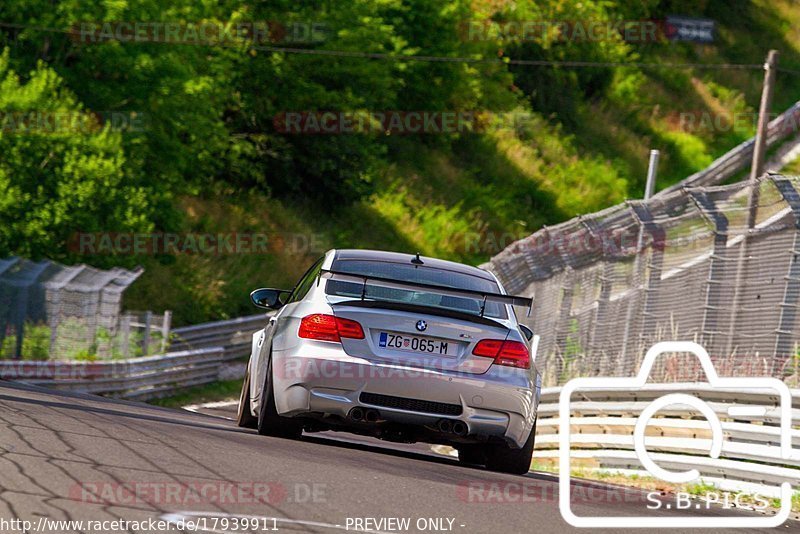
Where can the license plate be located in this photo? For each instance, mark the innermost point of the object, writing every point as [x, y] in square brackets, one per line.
[418, 344]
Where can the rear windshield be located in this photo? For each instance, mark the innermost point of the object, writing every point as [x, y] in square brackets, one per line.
[421, 274]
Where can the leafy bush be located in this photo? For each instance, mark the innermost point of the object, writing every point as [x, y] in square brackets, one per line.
[35, 343]
[9, 346]
[55, 180]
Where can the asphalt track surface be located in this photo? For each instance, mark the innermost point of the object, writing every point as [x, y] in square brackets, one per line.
[68, 456]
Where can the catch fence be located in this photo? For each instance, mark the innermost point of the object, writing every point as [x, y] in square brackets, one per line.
[704, 264]
[50, 311]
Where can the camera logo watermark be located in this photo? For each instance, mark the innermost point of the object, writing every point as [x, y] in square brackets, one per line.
[743, 385]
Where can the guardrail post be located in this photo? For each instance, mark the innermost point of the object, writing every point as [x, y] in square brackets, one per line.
[716, 268]
[125, 334]
[148, 320]
[165, 326]
[791, 293]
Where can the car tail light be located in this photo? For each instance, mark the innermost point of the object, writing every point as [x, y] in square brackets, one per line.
[349, 329]
[329, 328]
[488, 348]
[509, 353]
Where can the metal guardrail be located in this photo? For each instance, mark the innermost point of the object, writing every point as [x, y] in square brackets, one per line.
[233, 335]
[139, 378]
[602, 424]
[197, 355]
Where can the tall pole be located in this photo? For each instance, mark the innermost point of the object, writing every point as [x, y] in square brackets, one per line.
[652, 168]
[760, 149]
[759, 152]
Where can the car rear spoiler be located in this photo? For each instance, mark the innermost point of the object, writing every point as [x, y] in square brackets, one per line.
[442, 290]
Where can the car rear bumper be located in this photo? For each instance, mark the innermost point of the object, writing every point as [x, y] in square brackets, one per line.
[319, 377]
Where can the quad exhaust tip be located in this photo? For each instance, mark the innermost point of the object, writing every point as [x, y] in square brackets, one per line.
[361, 415]
[445, 426]
[459, 428]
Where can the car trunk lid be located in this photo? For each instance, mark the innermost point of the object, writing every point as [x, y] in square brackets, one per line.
[418, 336]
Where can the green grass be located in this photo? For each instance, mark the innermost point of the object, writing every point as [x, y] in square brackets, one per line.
[776, 503]
[216, 391]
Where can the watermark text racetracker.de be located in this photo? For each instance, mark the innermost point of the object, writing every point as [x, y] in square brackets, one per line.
[51, 123]
[193, 243]
[397, 122]
[201, 32]
[426, 368]
[671, 28]
[534, 491]
[198, 492]
[591, 30]
[704, 121]
[55, 370]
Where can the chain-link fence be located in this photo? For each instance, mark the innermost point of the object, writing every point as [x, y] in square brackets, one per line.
[57, 312]
[716, 265]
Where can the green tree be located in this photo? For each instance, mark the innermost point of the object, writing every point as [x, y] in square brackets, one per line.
[61, 171]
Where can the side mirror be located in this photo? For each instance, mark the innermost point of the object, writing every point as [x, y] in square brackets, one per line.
[268, 298]
[527, 332]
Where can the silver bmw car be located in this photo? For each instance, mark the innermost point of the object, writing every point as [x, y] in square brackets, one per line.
[399, 347]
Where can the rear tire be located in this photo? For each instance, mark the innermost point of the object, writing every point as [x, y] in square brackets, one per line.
[502, 458]
[269, 422]
[244, 417]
